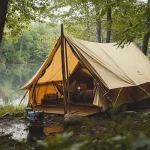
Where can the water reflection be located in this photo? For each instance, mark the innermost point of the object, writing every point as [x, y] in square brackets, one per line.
[18, 130]
[53, 129]
[21, 131]
[12, 77]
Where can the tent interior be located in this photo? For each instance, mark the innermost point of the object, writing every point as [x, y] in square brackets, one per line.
[81, 88]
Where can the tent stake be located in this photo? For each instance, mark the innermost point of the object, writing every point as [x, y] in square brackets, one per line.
[63, 69]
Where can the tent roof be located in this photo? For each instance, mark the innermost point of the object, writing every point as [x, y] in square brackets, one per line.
[116, 67]
[113, 66]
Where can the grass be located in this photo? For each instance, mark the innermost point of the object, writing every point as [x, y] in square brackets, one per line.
[11, 110]
[11, 144]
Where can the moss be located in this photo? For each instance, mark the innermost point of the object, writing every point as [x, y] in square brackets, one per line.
[12, 110]
[10, 144]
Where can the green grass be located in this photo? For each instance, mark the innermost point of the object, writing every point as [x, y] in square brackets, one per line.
[10, 144]
[11, 110]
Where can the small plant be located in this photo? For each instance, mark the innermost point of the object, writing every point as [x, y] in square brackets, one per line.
[64, 142]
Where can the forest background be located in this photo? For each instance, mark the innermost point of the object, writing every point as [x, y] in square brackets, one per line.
[33, 27]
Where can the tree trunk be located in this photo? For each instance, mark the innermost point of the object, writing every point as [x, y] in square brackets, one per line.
[98, 31]
[147, 35]
[98, 25]
[145, 43]
[109, 23]
[3, 11]
[21, 43]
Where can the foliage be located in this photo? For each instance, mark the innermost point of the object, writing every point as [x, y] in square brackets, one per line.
[80, 14]
[129, 21]
[83, 19]
[22, 13]
[62, 142]
[10, 144]
[117, 133]
[129, 18]
[32, 45]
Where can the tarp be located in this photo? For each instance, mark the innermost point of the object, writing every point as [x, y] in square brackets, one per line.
[118, 72]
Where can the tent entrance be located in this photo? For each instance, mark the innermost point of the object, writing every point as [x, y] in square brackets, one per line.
[81, 90]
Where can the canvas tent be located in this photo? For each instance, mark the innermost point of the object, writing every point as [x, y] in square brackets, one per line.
[117, 75]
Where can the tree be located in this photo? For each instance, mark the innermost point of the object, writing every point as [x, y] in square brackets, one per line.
[109, 19]
[22, 12]
[30, 46]
[3, 11]
[147, 33]
[123, 21]
[105, 20]
[130, 22]
[85, 13]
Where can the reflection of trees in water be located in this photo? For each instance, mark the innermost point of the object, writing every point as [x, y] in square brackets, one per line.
[12, 78]
[6, 92]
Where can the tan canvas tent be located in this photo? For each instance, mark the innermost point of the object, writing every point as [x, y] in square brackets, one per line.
[117, 75]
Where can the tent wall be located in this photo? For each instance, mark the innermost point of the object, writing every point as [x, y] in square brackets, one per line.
[121, 96]
[38, 93]
[54, 71]
[100, 100]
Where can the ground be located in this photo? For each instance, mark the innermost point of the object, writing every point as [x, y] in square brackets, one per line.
[121, 131]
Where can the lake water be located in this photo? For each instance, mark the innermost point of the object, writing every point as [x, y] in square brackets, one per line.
[12, 78]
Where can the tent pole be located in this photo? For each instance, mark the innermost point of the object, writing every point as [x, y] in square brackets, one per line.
[67, 76]
[63, 69]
